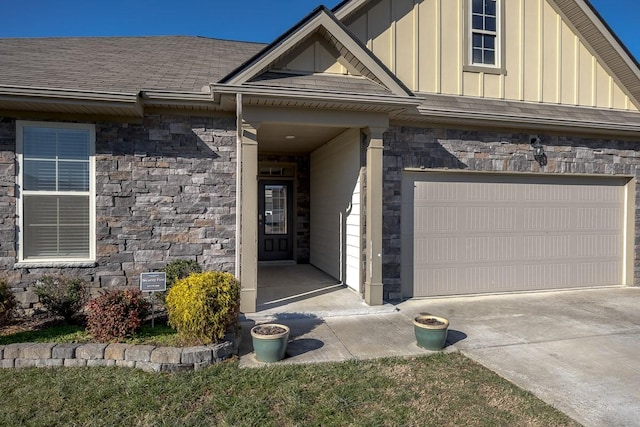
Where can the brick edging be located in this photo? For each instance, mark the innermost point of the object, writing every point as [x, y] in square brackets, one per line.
[145, 357]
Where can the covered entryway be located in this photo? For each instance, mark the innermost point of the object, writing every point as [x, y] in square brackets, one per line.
[470, 233]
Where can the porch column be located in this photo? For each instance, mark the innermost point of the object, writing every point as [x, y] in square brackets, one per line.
[249, 223]
[373, 273]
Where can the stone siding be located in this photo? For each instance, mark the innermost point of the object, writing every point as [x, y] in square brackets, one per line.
[411, 147]
[165, 190]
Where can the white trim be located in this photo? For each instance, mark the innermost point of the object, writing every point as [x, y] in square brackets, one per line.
[20, 125]
[469, 65]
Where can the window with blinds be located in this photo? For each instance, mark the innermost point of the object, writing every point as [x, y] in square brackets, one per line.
[56, 190]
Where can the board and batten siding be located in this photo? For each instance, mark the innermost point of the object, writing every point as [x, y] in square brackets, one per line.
[335, 208]
[422, 42]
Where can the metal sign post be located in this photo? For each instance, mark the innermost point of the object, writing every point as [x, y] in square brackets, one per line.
[153, 282]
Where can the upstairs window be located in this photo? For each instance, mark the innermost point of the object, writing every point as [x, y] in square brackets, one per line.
[484, 29]
[56, 191]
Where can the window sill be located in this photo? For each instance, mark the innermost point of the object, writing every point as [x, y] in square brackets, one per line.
[54, 264]
[486, 70]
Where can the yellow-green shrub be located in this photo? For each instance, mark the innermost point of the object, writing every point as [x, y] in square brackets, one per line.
[203, 306]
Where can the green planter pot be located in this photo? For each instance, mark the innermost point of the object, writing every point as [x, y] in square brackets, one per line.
[431, 331]
[272, 345]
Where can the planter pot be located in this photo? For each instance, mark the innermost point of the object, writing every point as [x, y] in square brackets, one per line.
[431, 331]
[270, 341]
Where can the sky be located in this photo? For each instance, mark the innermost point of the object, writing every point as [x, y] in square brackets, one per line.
[248, 20]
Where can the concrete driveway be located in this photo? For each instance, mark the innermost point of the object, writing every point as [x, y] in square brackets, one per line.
[576, 350]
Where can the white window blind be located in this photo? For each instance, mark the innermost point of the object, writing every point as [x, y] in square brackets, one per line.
[56, 192]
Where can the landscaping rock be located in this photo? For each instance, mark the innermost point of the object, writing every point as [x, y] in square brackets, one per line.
[196, 355]
[116, 351]
[166, 355]
[64, 351]
[75, 363]
[37, 351]
[91, 351]
[139, 353]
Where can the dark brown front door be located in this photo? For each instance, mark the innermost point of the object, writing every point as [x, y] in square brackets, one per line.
[275, 221]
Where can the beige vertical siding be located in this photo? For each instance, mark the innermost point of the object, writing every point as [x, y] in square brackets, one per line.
[422, 41]
[315, 57]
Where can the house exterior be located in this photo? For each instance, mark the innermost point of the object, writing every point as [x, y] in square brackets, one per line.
[407, 148]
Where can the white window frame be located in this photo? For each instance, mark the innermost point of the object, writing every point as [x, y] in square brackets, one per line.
[500, 46]
[71, 261]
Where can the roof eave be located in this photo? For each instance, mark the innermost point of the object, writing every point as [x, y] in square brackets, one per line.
[557, 124]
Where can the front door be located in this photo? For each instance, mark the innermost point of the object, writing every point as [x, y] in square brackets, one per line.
[275, 221]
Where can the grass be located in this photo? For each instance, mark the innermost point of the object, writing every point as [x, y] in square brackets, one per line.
[161, 335]
[439, 390]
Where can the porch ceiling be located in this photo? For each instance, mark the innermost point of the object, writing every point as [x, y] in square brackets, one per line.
[272, 138]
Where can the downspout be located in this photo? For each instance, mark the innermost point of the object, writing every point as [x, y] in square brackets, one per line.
[239, 120]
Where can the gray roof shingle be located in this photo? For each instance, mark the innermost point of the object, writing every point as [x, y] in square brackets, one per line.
[120, 64]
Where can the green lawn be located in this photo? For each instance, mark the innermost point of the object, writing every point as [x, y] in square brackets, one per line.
[439, 390]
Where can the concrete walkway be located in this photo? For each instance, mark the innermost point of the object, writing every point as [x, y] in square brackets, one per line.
[576, 350]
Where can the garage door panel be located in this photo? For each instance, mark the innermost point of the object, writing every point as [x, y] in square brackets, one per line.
[478, 234]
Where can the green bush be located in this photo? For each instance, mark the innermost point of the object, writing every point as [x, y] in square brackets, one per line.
[8, 303]
[180, 269]
[116, 314]
[203, 306]
[61, 295]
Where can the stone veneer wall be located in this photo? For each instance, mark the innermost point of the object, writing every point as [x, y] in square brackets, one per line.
[411, 147]
[165, 190]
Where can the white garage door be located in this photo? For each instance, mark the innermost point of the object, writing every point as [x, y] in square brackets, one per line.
[475, 233]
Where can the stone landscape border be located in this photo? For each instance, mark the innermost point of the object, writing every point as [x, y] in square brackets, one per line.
[148, 358]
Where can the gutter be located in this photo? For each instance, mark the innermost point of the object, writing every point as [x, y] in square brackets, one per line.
[316, 95]
[239, 134]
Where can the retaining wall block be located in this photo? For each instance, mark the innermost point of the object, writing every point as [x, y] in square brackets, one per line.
[26, 363]
[37, 351]
[64, 351]
[149, 366]
[54, 363]
[7, 363]
[13, 351]
[100, 362]
[1, 352]
[91, 351]
[223, 350]
[166, 355]
[116, 351]
[139, 353]
[126, 363]
[178, 367]
[201, 365]
[196, 355]
[75, 363]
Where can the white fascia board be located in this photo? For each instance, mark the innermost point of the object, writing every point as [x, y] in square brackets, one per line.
[323, 96]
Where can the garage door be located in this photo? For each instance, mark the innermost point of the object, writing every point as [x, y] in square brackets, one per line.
[484, 233]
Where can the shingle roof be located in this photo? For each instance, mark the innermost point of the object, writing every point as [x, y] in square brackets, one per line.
[320, 82]
[525, 112]
[121, 64]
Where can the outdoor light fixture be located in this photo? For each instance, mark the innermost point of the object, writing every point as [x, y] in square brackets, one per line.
[538, 151]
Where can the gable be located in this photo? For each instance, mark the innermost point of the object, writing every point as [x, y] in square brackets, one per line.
[318, 44]
[545, 56]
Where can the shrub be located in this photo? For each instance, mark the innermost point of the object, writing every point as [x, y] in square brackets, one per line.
[8, 303]
[116, 314]
[180, 269]
[203, 306]
[63, 296]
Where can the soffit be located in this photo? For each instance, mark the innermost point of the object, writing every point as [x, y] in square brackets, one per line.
[467, 111]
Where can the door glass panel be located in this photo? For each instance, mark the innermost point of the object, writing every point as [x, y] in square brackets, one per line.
[275, 209]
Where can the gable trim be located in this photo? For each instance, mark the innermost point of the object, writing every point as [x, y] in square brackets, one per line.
[320, 18]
